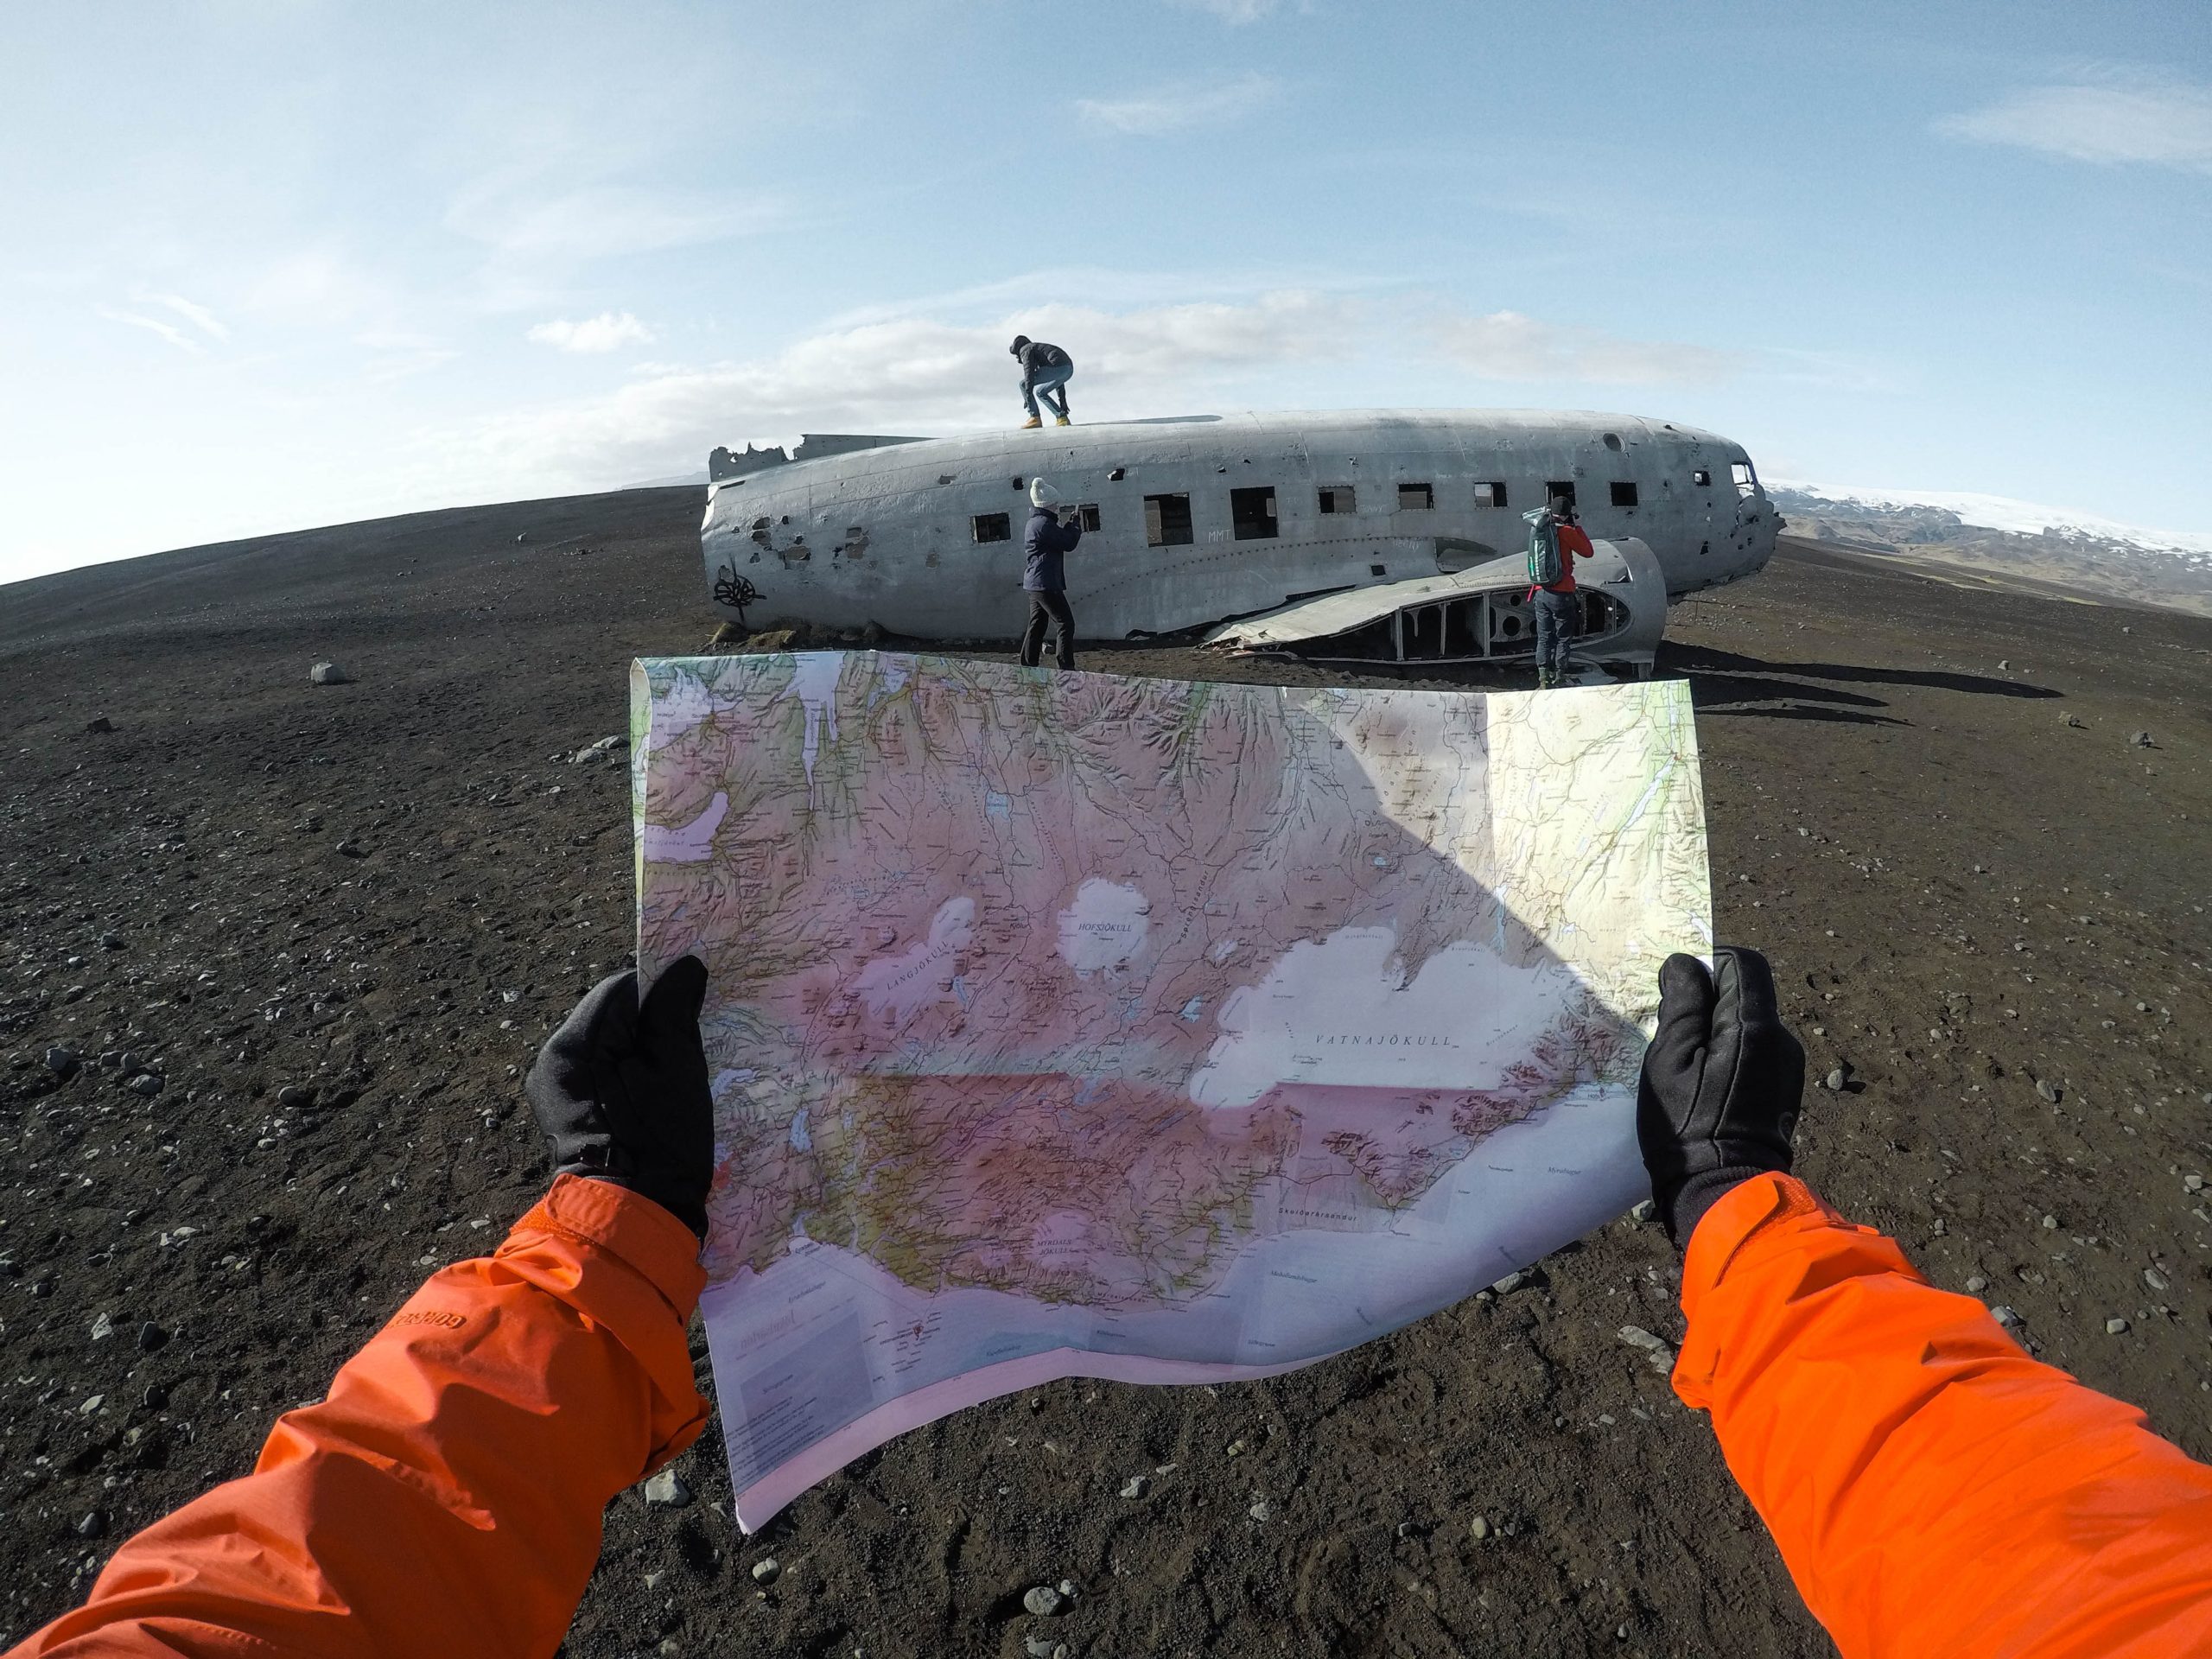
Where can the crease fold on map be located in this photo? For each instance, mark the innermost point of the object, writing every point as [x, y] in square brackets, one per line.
[1079, 1024]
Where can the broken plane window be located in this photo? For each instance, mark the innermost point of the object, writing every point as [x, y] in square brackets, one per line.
[1560, 489]
[1338, 497]
[1746, 481]
[1416, 495]
[1252, 513]
[1167, 520]
[1624, 492]
[1700, 476]
[1087, 515]
[1490, 494]
[991, 527]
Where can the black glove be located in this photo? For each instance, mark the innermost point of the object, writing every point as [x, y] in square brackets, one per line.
[620, 1090]
[1722, 1083]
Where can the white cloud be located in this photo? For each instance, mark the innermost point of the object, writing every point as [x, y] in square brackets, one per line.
[600, 333]
[523, 217]
[922, 376]
[1182, 105]
[1234, 11]
[908, 375]
[199, 315]
[2159, 123]
[401, 354]
[168, 331]
[1507, 345]
[320, 285]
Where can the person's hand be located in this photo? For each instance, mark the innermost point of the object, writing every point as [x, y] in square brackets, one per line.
[1722, 1082]
[620, 1090]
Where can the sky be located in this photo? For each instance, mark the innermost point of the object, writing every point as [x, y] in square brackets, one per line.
[269, 264]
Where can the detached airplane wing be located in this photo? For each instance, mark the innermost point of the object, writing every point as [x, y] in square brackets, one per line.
[1476, 615]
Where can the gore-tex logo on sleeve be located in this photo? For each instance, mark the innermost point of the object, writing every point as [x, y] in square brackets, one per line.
[432, 1316]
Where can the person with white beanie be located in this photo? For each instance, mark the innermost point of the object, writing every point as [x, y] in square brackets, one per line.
[1053, 535]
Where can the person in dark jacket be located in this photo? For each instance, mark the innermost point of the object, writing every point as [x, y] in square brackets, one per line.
[1045, 369]
[1045, 546]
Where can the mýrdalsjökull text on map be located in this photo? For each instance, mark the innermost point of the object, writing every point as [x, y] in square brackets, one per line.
[1076, 1024]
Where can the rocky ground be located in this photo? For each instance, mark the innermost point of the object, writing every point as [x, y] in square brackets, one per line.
[301, 941]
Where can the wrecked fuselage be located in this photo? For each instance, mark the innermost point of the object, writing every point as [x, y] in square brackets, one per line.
[1193, 520]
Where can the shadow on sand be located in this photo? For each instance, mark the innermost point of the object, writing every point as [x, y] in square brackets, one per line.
[1699, 661]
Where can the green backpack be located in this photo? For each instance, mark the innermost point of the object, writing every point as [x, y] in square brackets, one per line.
[1543, 547]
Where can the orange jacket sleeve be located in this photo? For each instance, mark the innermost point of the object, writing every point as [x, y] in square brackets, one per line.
[1932, 1489]
[445, 1497]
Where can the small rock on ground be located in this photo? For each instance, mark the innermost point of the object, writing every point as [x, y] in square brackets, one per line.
[1835, 1080]
[666, 1491]
[1135, 1486]
[1044, 1601]
[767, 1570]
[330, 674]
[2115, 1327]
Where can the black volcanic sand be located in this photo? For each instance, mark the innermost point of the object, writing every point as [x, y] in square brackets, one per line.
[385, 893]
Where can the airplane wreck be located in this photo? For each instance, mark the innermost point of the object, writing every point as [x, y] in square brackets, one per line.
[1373, 538]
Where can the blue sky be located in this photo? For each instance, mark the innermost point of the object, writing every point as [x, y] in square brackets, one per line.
[275, 262]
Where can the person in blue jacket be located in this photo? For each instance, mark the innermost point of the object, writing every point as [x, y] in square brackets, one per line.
[1050, 537]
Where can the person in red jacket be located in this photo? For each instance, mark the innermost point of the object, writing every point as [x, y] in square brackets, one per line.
[1558, 611]
[1932, 1489]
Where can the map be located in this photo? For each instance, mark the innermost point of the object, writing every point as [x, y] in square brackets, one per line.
[1082, 1024]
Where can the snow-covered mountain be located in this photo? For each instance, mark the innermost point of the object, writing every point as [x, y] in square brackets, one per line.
[1998, 537]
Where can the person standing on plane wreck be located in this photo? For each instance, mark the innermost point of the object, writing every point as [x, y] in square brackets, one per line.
[1046, 369]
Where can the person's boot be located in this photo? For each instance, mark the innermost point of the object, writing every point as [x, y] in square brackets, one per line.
[1062, 420]
[1543, 679]
[1032, 422]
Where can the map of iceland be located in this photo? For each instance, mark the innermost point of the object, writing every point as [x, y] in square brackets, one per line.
[1082, 1025]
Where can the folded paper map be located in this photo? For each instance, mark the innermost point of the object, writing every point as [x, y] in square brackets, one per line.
[1076, 1024]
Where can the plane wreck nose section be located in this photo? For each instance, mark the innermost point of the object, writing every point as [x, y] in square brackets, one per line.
[1759, 524]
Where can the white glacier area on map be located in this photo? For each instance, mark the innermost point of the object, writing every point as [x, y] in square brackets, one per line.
[1342, 1010]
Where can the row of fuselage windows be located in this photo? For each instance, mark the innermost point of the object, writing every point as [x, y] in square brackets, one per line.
[1252, 514]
